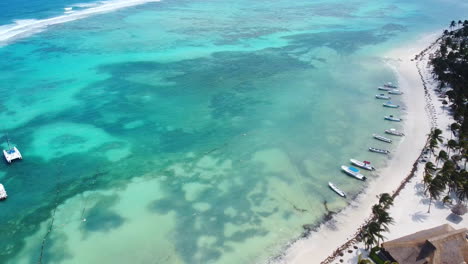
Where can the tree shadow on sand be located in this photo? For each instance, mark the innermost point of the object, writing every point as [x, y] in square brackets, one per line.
[419, 216]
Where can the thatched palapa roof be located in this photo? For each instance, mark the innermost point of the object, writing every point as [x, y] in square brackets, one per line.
[438, 245]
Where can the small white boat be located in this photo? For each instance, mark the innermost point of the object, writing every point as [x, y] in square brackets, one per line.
[390, 104]
[336, 189]
[381, 138]
[381, 151]
[11, 153]
[354, 172]
[381, 88]
[392, 118]
[3, 194]
[390, 85]
[382, 96]
[362, 164]
[394, 132]
[398, 92]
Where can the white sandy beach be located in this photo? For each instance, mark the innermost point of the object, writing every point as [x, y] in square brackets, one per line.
[410, 206]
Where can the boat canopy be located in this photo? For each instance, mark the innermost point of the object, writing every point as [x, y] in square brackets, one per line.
[353, 169]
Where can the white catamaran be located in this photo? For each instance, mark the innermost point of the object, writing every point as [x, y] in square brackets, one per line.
[3, 194]
[11, 153]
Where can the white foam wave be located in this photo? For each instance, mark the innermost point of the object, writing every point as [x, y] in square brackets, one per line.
[26, 27]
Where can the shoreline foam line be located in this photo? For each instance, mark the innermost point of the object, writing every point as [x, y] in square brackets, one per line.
[27, 27]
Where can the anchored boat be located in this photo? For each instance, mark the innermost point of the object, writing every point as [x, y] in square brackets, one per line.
[381, 138]
[3, 194]
[381, 151]
[362, 164]
[336, 189]
[392, 118]
[398, 92]
[354, 172]
[394, 132]
[11, 153]
[390, 104]
[381, 88]
[390, 85]
[382, 96]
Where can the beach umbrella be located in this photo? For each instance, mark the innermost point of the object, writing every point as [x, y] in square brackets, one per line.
[459, 209]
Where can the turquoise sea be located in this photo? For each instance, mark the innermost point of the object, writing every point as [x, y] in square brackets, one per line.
[190, 131]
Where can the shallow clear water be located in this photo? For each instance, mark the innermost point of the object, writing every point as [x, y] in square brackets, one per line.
[193, 131]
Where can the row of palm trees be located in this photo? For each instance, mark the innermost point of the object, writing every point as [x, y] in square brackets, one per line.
[371, 233]
[449, 177]
[450, 68]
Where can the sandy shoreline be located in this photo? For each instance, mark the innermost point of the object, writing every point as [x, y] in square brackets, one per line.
[417, 124]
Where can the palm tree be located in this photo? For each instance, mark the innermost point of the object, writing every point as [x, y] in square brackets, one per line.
[384, 220]
[454, 127]
[462, 191]
[435, 188]
[451, 144]
[460, 23]
[452, 24]
[432, 145]
[437, 135]
[442, 156]
[429, 169]
[372, 233]
[385, 200]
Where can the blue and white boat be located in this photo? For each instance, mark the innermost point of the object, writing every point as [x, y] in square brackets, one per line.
[336, 189]
[395, 91]
[354, 172]
[382, 96]
[390, 105]
[362, 164]
[392, 118]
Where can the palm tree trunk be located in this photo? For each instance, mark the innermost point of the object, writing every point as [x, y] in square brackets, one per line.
[430, 201]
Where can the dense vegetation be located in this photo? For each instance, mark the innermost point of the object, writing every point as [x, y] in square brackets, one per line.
[450, 68]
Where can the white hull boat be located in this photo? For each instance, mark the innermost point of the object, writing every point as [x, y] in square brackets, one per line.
[382, 96]
[381, 88]
[336, 189]
[12, 154]
[392, 118]
[394, 132]
[3, 194]
[381, 151]
[390, 105]
[363, 165]
[354, 172]
[398, 92]
[381, 138]
[390, 85]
